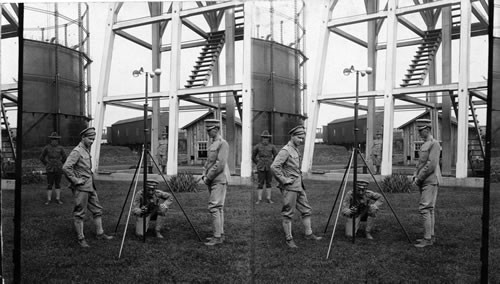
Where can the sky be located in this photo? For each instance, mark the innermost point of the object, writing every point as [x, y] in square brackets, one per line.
[341, 54]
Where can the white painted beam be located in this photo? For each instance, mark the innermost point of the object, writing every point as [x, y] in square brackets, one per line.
[141, 22]
[134, 39]
[247, 93]
[128, 105]
[390, 72]
[356, 19]
[426, 6]
[174, 84]
[349, 36]
[210, 89]
[209, 8]
[325, 14]
[156, 39]
[403, 91]
[345, 104]
[135, 97]
[10, 86]
[420, 102]
[103, 86]
[463, 89]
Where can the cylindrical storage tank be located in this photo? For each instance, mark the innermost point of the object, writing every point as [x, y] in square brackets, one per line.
[277, 94]
[53, 98]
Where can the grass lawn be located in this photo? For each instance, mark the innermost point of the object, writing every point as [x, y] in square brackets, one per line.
[254, 250]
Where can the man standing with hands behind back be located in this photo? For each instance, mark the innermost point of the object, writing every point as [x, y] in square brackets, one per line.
[216, 175]
[286, 169]
[426, 177]
[263, 155]
[78, 169]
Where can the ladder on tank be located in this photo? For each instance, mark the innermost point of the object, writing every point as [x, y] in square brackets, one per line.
[475, 143]
[8, 149]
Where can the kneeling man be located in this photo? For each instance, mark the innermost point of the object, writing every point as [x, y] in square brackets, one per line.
[155, 206]
[364, 208]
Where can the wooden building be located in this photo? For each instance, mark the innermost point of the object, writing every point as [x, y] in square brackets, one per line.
[412, 140]
[198, 140]
[341, 131]
[130, 132]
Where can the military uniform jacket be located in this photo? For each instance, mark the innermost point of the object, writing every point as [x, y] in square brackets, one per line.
[216, 169]
[153, 203]
[369, 198]
[263, 155]
[53, 158]
[286, 168]
[427, 171]
[78, 168]
[377, 147]
[163, 148]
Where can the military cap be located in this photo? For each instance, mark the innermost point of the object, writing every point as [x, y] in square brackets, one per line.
[362, 184]
[90, 131]
[54, 135]
[265, 134]
[297, 130]
[423, 124]
[151, 183]
[211, 124]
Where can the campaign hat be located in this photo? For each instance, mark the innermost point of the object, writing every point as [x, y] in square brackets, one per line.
[54, 135]
[265, 134]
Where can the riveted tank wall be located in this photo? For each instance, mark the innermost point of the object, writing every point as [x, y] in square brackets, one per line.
[53, 99]
[277, 99]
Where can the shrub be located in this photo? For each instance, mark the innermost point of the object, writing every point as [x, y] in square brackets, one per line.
[397, 183]
[183, 182]
[30, 177]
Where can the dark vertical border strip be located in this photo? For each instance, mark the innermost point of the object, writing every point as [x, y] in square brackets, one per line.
[19, 143]
[487, 160]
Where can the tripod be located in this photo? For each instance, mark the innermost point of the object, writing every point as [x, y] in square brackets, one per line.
[133, 184]
[354, 162]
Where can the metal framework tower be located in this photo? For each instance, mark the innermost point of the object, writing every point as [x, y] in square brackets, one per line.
[174, 16]
[459, 19]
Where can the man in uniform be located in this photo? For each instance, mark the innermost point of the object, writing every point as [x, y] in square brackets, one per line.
[263, 155]
[426, 178]
[286, 169]
[53, 157]
[363, 207]
[162, 152]
[78, 169]
[377, 152]
[215, 176]
[156, 206]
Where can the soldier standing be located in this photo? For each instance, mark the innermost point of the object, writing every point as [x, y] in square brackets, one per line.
[286, 169]
[377, 152]
[263, 155]
[78, 169]
[426, 178]
[363, 208]
[216, 175]
[162, 152]
[53, 157]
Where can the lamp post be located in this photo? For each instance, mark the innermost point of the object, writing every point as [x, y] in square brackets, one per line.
[347, 72]
[137, 73]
